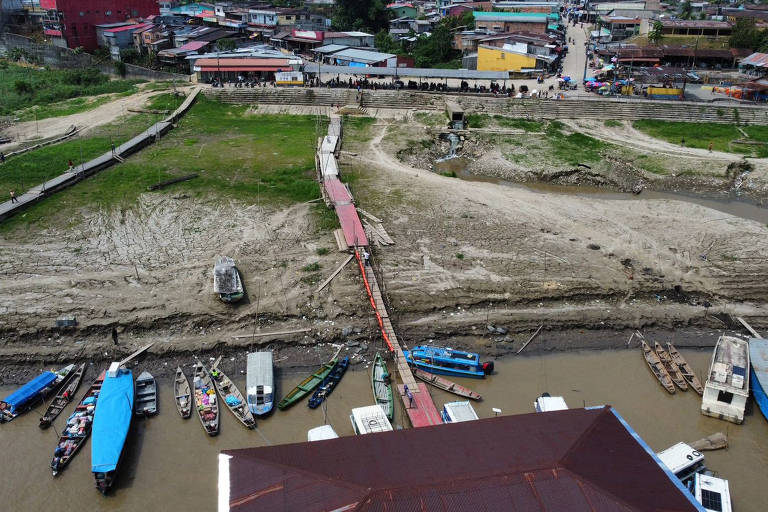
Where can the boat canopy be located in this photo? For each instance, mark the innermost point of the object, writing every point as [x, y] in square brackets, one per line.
[111, 421]
[29, 391]
[321, 433]
[225, 276]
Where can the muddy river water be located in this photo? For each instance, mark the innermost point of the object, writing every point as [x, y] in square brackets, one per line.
[170, 464]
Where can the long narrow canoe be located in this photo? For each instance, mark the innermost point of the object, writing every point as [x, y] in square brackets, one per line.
[306, 386]
[182, 394]
[670, 366]
[233, 398]
[77, 429]
[445, 384]
[382, 386]
[64, 396]
[685, 369]
[654, 363]
[329, 384]
[206, 400]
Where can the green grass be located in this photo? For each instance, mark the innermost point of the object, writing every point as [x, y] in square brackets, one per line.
[700, 135]
[30, 169]
[46, 86]
[69, 107]
[521, 124]
[574, 148]
[612, 123]
[431, 119]
[312, 267]
[477, 120]
[357, 130]
[250, 158]
[325, 218]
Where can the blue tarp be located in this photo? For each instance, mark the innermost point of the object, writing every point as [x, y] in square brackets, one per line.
[111, 421]
[29, 391]
[758, 355]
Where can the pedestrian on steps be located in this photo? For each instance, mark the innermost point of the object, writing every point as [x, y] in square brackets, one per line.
[366, 258]
[114, 335]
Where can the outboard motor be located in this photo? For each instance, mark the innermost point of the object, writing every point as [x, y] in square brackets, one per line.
[488, 367]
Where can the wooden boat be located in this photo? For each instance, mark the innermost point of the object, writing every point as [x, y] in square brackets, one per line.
[382, 386]
[685, 369]
[206, 401]
[31, 393]
[654, 363]
[445, 384]
[226, 280]
[232, 397]
[146, 395]
[65, 395]
[672, 370]
[306, 386]
[78, 428]
[447, 361]
[182, 394]
[758, 355]
[328, 384]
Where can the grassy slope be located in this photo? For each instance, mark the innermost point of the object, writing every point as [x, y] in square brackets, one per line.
[268, 158]
[699, 135]
[52, 86]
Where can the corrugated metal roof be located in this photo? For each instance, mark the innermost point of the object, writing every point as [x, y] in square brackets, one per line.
[759, 60]
[364, 56]
[574, 460]
[193, 45]
[331, 48]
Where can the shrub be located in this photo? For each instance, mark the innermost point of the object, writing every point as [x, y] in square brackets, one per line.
[22, 87]
[312, 267]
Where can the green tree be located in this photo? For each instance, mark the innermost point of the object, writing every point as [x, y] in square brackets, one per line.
[686, 10]
[369, 15]
[226, 44]
[436, 48]
[120, 68]
[745, 34]
[656, 34]
[384, 43]
[468, 20]
[22, 87]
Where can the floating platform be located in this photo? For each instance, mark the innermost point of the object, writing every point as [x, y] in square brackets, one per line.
[423, 412]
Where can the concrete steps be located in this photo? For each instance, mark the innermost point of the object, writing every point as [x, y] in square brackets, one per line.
[582, 108]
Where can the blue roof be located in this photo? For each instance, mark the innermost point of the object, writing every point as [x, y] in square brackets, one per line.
[29, 391]
[111, 421]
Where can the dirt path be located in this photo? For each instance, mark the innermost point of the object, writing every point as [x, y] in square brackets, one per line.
[53, 126]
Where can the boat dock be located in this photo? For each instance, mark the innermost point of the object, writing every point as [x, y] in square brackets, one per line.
[421, 409]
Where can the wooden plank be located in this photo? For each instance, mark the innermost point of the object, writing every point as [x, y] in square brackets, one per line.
[135, 354]
[748, 327]
[530, 339]
[384, 234]
[372, 217]
[335, 273]
[276, 333]
[341, 242]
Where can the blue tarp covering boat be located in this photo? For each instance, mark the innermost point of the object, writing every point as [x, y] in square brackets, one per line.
[29, 391]
[111, 421]
[758, 356]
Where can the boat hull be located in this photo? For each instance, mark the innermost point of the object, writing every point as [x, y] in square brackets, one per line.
[759, 393]
[758, 352]
[260, 386]
[306, 386]
[437, 370]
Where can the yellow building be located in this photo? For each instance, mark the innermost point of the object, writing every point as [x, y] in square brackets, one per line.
[491, 58]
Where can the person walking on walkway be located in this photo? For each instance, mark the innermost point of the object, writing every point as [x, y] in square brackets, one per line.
[710, 147]
[113, 149]
[114, 335]
[366, 258]
[2, 157]
[13, 197]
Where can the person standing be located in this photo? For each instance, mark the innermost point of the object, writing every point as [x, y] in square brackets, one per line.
[114, 335]
[13, 197]
[366, 258]
[2, 157]
[710, 147]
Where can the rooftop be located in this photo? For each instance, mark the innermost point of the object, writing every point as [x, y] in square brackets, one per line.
[364, 56]
[578, 459]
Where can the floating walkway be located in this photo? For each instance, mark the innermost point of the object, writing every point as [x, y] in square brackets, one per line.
[108, 159]
[417, 400]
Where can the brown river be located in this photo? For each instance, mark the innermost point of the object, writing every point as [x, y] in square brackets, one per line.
[170, 464]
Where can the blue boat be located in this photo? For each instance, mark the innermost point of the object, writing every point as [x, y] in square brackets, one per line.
[111, 422]
[447, 361]
[328, 384]
[758, 355]
[29, 394]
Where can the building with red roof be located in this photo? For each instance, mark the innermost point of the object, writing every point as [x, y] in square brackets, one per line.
[572, 460]
[72, 23]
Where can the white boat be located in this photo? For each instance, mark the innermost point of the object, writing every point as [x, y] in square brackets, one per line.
[369, 419]
[454, 412]
[713, 493]
[546, 403]
[226, 280]
[727, 388]
[683, 461]
[260, 383]
[321, 433]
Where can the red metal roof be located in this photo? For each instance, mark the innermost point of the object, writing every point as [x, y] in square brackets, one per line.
[354, 233]
[574, 460]
[127, 27]
[193, 45]
[336, 191]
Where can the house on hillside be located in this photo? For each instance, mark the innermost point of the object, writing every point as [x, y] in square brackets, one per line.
[515, 57]
[403, 10]
[513, 21]
[577, 459]
[620, 27]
